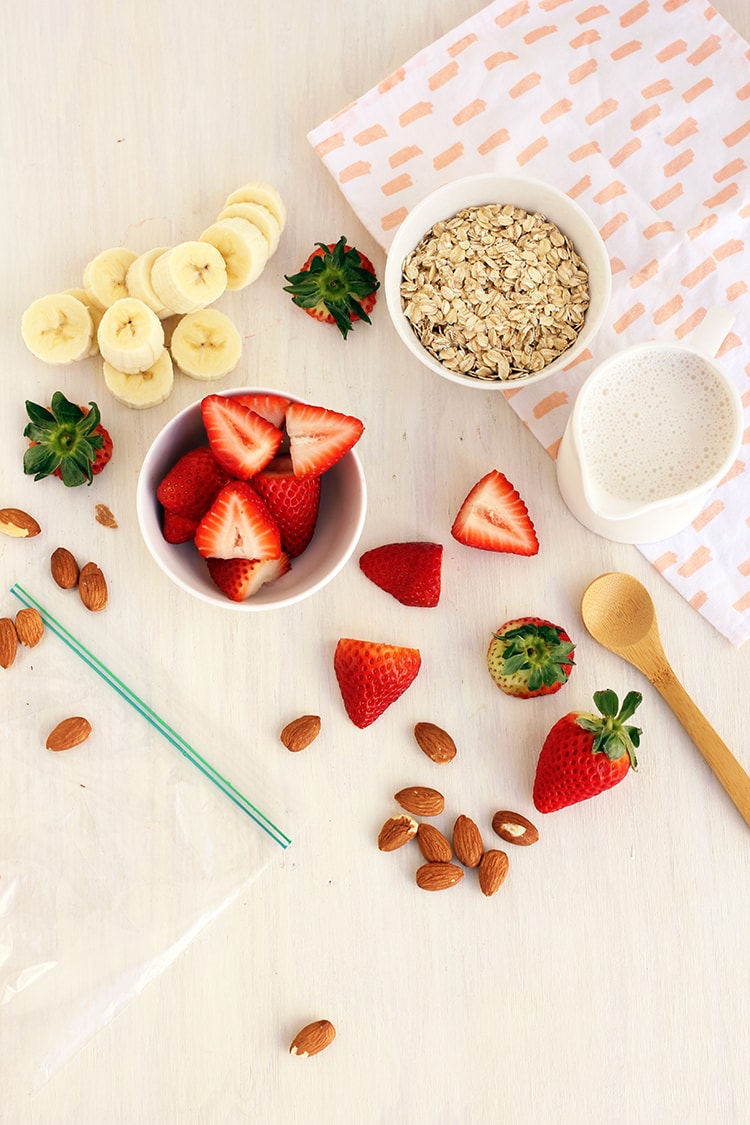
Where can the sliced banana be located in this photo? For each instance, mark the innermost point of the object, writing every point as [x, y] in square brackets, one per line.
[189, 277]
[57, 328]
[96, 316]
[144, 389]
[206, 345]
[243, 248]
[257, 191]
[131, 337]
[104, 276]
[138, 281]
[260, 217]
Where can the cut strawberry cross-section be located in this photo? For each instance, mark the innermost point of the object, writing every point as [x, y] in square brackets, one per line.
[242, 441]
[238, 525]
[318, 438]
[241, 578]
[493, 517]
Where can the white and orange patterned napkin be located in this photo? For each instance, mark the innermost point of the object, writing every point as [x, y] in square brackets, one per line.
[641, 113]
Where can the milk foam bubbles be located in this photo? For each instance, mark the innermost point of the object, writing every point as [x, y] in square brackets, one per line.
[656, 424]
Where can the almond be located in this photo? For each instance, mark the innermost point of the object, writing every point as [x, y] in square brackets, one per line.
[438, 876]
[492, 871]
[19, 524]
[467, 841]
[300, 732]
[421, 801]
[8, 642]
[514, 828]
[397, 831]
[436, 743]
[313, 1038]
[29, 626]
[92, 587]
[64, 568]
[434, 846]
[70, 732]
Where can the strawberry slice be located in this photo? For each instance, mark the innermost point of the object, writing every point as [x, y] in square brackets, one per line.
[292, 501]
[318, 438]
[238, 525]
[178, 529]
[410, 572]
[192, 484]
[270, 406]
[372, 676]
[493, 517]
[241, 441]
[241, 578]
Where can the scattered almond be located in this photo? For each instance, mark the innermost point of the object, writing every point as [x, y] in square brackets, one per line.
[434, 846]
[300, 732]
[92, 587]
[17, 523]
[29, 626]
[467, 841]
[438, 876]
[514, 828]
[397, 831]
[64, 568]
[421, 800]
[493, 868]
[8, 642]
[436, 743]
[312, 1039]
[70, 732]
[104, 516]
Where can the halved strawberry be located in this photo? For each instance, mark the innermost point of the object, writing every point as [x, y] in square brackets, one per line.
[238, 525]
[371, 676]
[192, 484]
[178, 529]
[272, 407]
[241, 441]
[318, 438]
[241, 578]
[493, 517]
[292, 501]
[336, 285]
[410, 572]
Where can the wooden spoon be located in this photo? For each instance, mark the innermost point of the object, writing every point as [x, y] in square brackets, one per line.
[618, 612]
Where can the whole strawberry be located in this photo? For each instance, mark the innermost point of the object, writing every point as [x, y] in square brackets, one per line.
[585, 754]
[336, 285]
[529, 656]
[67, 441]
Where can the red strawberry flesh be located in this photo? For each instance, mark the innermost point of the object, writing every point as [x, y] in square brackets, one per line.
[242, 441]
[292, 501]
[493, 517]
[238, 525]
[318, 437]
[371, 676]
[410, 572]
[192, 484]
[239, 579]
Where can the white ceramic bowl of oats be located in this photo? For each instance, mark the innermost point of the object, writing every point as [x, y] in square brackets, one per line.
[495, 282]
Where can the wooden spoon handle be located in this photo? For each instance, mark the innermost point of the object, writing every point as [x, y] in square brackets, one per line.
[718, 755]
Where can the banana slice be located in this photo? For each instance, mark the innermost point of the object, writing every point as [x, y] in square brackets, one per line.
[138, 281]
[260, 217]
[206, 345]
[104, 276]
[57, 328]
[131, 337]
[144, 389]
[257, 191]
[96, 316]
[243, 248]
[189, 277]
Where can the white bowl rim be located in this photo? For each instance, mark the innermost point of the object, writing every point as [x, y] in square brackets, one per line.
[474, 188]
[151, 533]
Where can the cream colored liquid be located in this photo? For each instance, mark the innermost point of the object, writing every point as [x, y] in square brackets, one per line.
[660, 423]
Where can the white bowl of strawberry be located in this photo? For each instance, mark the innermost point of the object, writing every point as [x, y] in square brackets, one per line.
[252, 499]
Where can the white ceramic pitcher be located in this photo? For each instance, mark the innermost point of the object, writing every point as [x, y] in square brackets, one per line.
[652, 431]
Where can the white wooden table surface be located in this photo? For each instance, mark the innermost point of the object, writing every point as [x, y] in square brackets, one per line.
[609, 981]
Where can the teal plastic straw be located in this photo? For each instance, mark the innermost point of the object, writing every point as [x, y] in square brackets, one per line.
[158, 723]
